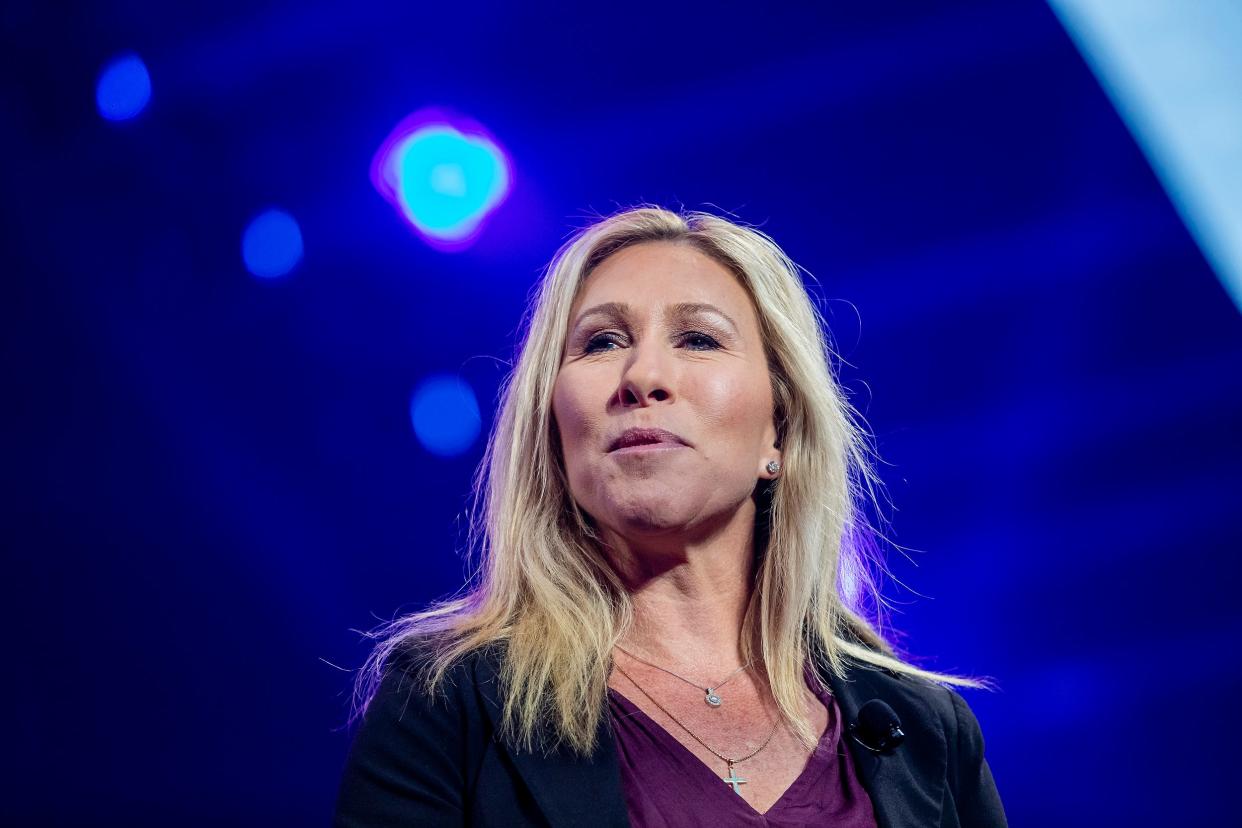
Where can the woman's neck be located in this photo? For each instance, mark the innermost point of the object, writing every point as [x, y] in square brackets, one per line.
[689, 595]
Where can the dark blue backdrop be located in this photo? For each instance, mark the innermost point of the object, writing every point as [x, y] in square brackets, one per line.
[209, 478]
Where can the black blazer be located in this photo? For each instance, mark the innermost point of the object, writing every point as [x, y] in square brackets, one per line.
[425, 761]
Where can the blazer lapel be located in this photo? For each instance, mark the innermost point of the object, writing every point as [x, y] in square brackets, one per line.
[570, 790]
[902, 794]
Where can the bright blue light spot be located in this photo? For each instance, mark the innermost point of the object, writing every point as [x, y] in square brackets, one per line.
[445, 414]
[445, 179]
[272, 244]
[124, 88]
[448, 181]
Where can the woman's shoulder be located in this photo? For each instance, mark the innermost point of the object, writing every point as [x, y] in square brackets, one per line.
[416, 684]
[918, 701]
[942, 732]
[416, 743]
[412, 665]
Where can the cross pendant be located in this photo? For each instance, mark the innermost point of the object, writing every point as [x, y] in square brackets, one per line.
[734, 780]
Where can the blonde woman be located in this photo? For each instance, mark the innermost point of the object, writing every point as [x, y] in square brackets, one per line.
[665, 628]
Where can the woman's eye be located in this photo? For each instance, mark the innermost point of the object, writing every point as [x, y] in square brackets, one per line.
[694, 340]
[700, 341]
[597, 342]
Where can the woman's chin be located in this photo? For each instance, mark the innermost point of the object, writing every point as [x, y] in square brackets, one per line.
[649, 516]
[664, 516]
[651, 522]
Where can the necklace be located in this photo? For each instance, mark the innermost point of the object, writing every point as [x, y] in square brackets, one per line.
[711, 696]
[733, 780]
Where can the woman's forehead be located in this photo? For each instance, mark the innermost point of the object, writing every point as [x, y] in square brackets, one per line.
[663, 277]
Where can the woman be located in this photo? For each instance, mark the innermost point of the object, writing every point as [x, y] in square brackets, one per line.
[666, 626]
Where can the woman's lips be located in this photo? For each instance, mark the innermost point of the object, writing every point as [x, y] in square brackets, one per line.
[648, 448]
[649, 436]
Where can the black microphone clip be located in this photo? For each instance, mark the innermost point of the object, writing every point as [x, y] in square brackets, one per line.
[878, 729]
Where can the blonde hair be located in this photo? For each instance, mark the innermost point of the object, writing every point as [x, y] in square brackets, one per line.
[543, 587]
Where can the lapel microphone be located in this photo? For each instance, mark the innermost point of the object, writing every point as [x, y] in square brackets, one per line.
[878, 729]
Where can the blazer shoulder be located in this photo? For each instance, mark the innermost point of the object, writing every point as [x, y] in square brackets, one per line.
[942, 701]
[920, 704]
[406, 672]
[935, 708]
[415, 753]
[936, 700]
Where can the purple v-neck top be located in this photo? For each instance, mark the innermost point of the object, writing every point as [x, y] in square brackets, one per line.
[667, 785]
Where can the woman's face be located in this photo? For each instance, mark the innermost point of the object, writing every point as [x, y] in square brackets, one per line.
[663, 337]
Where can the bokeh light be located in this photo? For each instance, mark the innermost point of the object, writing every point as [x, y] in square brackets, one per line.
[272, 244]
[124, 88]
[445, 414]
[444, 175]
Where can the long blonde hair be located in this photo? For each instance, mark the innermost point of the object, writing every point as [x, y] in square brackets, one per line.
[542, 585]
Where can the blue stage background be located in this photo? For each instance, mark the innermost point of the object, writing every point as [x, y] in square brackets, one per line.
[212, 478]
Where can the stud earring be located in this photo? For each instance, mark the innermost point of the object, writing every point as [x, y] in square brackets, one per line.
[773, 467]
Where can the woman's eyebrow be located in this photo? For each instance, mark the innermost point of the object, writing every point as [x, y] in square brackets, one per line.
[614, 309]
[622, 310]
[689, 308]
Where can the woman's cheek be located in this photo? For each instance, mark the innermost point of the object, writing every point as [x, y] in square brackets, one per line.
[718, 396]
[578, 431]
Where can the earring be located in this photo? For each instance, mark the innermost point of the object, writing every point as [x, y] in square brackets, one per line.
[773, 466]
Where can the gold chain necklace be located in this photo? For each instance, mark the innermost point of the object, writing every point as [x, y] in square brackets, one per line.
[732, 779]
[711, 696]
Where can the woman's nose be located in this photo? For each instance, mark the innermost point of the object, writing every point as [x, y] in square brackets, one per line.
[646, 379]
